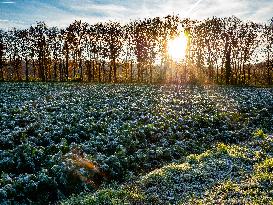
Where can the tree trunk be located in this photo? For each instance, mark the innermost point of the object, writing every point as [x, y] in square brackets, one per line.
[81, 70]
[131, 69]
[49, 72]
[27, 77]
[55, 70]
[88, 65]
[110, 74]
[228, 65]
[244, 74]
[66, 65]
[33, 69]
[138, 71]
[1, 69]
[248, 75]
[217, 73]
[43, 68]
[115, 70]
[100, 65]
[17, 62]
[151, 74]
[61, 71]
[269, 68]
[74, 66]
[103, 71]
[126, 66]
[93, 71]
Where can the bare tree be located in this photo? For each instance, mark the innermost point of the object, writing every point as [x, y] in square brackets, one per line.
[2, 54]
[113, 45]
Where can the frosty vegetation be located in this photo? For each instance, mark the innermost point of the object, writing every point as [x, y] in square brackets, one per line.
[146, 144]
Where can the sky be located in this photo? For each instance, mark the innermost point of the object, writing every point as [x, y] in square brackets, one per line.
[24, 13]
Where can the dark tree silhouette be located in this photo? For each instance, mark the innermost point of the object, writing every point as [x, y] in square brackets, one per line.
[219, 50]
[2, 54]
[113, 38]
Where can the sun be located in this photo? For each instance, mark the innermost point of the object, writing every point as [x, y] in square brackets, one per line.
[177, 47]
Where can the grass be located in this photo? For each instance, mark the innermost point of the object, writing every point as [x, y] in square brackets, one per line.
[226, 174]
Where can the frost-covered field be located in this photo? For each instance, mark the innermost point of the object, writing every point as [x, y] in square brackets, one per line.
[56, 138]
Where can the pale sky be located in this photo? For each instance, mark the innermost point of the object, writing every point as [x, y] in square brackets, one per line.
[23, 13]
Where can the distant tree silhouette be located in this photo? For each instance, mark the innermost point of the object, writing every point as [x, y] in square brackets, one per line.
[55, 48]
[219, 50]
[39, 38]
[128, 51]
[112, 41]
[2, 54]
[268, 40]
[76, 32]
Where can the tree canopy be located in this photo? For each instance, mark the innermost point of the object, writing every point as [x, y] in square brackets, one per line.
[219, 50]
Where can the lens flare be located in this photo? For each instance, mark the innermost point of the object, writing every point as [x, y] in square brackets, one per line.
[177, 48]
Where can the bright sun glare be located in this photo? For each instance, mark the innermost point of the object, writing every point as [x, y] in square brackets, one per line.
[177, 47]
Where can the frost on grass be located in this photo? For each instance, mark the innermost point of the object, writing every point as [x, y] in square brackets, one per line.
[226, 174]
[124, 131]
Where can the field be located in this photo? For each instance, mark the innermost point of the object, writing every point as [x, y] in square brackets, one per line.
[74, 143]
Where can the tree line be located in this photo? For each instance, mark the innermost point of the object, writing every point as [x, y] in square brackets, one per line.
[219, 50]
